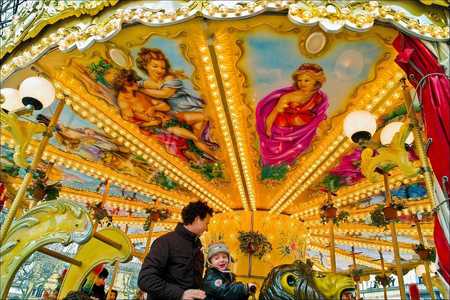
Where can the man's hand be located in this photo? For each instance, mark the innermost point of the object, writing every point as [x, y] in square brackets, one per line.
[193, 294]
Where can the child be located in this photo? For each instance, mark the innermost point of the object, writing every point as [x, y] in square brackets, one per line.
[219, 282]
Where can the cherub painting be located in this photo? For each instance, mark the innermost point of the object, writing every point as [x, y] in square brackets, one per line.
[159, 104]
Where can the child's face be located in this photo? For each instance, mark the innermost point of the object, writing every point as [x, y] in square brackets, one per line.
[156, 68]
[220, 261]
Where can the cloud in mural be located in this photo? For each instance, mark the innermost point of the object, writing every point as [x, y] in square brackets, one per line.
[349, 64]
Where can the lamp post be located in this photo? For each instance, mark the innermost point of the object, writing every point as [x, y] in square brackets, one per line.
[38, 93]
[360, 127]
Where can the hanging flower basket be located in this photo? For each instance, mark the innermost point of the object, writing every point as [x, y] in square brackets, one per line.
[254, 243]
[329, 211]
[156, 215]
[356, 274]
[39, 190]
[426, 254]
[390, 213]
[383, 280]
[99, 214]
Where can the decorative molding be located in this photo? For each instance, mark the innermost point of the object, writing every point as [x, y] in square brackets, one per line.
[332, 17]
[36, 15]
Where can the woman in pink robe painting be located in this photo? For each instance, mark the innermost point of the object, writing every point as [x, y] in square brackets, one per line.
[287, 118]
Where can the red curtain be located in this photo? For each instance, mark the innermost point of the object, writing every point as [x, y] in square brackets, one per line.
[434, 92]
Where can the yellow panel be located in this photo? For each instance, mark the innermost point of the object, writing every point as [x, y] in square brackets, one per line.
[92, 254]
[51, 222]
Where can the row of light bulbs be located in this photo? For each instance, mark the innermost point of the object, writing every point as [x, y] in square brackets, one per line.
[226, 68]
[350, 194]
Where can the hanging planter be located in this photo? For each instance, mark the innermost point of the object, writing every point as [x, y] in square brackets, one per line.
[99, 214]
[39, 190]
[329, 211]
[377, 217]
[390, 213]
[383, 280]
[254, 243]
[356, 275]
[156, 215]
[425, 254]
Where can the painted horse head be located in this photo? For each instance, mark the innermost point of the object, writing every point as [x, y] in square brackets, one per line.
[51, 222]
[298, 281]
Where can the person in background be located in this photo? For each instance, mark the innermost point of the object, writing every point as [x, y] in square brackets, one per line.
[77, 295]
[219, 281]
[98, 290]
[112, 295]
[173, 269]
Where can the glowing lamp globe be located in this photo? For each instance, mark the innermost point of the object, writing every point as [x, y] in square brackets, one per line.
[11, 99]
[360, 125]
[388, 132]
[37, 91]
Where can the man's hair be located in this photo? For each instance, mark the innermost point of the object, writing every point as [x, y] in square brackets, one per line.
[195, 209]
[103, 274]
[77, 295]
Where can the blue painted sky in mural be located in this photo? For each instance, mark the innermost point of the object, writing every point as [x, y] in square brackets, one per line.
[173, 53]
[273, 58]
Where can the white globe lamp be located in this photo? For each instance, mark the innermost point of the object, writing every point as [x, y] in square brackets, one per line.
[11, 99]
[37, 91]
[360, 126]
[388, 132]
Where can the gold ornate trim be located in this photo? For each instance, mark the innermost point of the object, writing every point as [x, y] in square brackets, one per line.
[38, 14]
[332, 17]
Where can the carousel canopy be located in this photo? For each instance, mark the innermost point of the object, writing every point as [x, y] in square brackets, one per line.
[238, 103]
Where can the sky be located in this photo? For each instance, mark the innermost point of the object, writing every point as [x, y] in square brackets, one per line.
[272, 58]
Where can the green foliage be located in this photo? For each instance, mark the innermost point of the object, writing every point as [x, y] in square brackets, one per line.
[254, 243]
[384, 280]
[11, 170]
[356, 272]
[398, 112]
[274, 172]
[332, 182]
[377, 217]
[164, 181]
[176, 123]
[209, 171]
[156, 215]
[39, 190]
[431, 252]
[99, 70]
[341, 217]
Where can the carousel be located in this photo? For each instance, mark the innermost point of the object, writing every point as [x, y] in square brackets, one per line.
[318, 131]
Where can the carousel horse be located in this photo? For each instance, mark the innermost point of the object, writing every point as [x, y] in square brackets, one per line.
[298, 281]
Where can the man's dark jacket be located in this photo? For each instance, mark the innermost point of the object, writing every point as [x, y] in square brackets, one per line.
[222, 286]
[173, 265]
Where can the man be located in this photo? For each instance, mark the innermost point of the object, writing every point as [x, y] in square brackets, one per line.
[173, 269]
